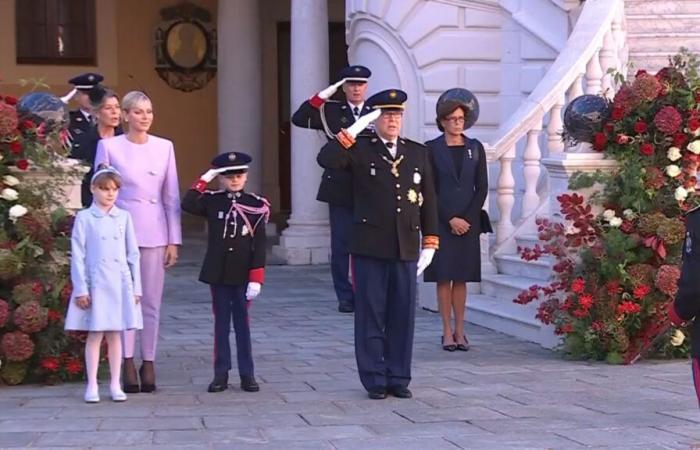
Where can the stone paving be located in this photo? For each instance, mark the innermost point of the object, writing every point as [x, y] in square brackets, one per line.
[502, 394]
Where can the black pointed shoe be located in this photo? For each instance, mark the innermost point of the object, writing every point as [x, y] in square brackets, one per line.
[346, 307]
[147, 373]
[218, 384]
[130, 378]
[400, 391]
[377, 393]
[249, 384]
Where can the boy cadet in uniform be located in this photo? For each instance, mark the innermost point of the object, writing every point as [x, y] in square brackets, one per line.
[81, 119]
[234, 264]
[394, 203]
[320, 113]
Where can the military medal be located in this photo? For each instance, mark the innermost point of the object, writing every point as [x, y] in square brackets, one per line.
[372, 170]
[412, 196]
[469, 151]
[394, 164]
[688, 244]
[420, 199]
[416, 177]
[220, 215]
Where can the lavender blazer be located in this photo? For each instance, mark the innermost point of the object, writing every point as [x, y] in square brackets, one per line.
[150, 190]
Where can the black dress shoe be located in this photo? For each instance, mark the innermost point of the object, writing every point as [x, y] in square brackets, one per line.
[249, 384]
[400, 392]
[219, 384]
[346, 307]
[129, 377]
[148, 377]
[464, 345]
[377, 393]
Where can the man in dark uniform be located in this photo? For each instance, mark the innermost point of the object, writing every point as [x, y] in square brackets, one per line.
[234, 264]
[686, 307]
[394, 203]
[81, 118]
[320, 113]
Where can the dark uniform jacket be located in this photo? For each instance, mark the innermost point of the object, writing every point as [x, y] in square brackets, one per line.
[78, 124]
[236, 245]
[687, 304]
[336, 184]
[390, 212]
[85, 148]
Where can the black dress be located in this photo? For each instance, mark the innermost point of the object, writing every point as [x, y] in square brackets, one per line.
[461, 182]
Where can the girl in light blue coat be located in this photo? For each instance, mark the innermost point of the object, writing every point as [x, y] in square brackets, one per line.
[106, 280]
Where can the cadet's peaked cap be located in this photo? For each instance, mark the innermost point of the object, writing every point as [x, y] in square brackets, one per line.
[233, 162]
[355, 73]
[86, 81]
[389, 99]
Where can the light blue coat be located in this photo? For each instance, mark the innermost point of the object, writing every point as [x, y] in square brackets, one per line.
[105, 266]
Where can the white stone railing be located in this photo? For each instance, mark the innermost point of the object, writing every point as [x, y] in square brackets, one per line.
[596, 45]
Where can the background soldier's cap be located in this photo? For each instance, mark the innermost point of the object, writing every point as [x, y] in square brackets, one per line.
[357, 74]
[233, 162]
[86, 81]
[390, 99]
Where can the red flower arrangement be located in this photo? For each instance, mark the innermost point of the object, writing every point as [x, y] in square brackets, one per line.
[16, 346]
[616, 271]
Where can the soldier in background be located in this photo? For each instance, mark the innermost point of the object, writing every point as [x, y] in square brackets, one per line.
[394, 203]
[320, 113]
[81, 119]
[687, 303]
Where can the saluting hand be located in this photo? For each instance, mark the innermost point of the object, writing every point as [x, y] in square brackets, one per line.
[330, 90]
[82, 302]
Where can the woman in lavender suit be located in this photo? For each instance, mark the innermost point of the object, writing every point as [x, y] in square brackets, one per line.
[150, 192]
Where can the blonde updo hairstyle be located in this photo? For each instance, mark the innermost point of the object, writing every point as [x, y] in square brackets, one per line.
[132, 98]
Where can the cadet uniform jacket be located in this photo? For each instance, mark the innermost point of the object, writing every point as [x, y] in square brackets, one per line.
[687, 304]
[390, 212]
[78, 126]
[336, 184]
[236, 244]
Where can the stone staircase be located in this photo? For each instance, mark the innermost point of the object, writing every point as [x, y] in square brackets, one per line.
[658, 29]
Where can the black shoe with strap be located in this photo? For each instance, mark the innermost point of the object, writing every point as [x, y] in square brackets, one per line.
[448, 347]
[249, 384]
[130, 378]
[463, 346]
[218, 384]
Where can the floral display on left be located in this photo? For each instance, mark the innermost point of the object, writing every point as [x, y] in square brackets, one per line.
[35, 242]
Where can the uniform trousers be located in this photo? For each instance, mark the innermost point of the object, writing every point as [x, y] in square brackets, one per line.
[230, 302]
[696, 377]
[385, 306]
[152, 280]
[341, 221]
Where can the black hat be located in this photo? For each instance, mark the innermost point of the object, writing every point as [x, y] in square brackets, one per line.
[234, 162]
[86, 81]
[358, 74]
[392, 99]
[455, 98]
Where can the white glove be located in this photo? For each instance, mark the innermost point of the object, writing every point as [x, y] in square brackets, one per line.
[424, 260]
[210, 174]
[361, 123]
[253, 290]
[330, 90]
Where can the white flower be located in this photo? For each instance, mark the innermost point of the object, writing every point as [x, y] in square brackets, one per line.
[677, 338]
[17, 211]
[695, 146]
[9, 180]
[629, 214]
[674, 154]
[615, 222]
[9, 194]
[673, 170]
[608, 214]
[680, 194]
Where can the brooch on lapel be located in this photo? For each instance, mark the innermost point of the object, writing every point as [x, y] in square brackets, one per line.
[412, 196]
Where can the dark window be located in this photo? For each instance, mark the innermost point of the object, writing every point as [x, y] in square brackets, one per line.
[55, 31]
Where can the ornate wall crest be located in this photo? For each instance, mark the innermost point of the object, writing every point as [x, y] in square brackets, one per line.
[185, 47]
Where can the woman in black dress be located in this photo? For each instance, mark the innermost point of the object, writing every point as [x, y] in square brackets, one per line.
[461, 182]
[107, 114]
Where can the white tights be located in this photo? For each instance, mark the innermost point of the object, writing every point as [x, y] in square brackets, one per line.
[92, 357]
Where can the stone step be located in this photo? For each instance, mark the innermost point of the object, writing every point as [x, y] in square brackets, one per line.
[506, 287]
[649, 61]
[527, 240]
[663, 42]
[510, 318]
[661, 22]
[662, 7]
[540, 270]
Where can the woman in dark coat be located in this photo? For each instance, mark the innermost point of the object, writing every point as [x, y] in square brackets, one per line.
[107, 114]
[461, 182]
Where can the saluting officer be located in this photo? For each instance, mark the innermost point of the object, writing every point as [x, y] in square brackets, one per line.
[394, 203]
[234, 263]
[81, 119]
[686, 306]
[320, 113]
